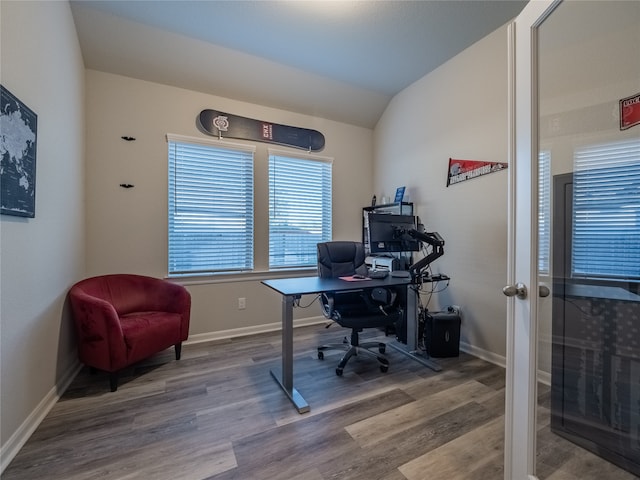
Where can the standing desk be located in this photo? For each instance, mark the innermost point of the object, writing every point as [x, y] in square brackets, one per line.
[293, 288]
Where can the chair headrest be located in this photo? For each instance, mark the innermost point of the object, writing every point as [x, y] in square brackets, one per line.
[339, 258]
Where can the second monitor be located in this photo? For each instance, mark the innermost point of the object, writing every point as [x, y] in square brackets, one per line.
[384, 236]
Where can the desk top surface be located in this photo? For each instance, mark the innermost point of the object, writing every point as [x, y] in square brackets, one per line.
[309, 285]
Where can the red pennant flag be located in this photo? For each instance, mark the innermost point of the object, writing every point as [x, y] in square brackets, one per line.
[629, 112]
[462, 170]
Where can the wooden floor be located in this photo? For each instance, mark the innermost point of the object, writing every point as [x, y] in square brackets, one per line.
[217, 414]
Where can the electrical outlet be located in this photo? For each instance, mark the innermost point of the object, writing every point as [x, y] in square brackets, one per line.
[242, 303]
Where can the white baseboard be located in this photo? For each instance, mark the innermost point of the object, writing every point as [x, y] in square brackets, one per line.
[20, 437]
[253, 330]
[11, 448]
[543, 377]
[484, 354]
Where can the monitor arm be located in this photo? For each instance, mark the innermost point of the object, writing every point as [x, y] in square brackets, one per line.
[432, 238]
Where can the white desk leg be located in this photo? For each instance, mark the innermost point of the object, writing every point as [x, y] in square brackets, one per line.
[411, 349]
[286, 383]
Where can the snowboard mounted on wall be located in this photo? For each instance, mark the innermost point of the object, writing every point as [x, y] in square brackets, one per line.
[225, 125]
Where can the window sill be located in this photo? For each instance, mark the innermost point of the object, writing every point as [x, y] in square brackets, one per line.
[232, 277]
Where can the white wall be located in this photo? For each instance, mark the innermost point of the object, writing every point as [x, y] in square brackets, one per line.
[127, 228]
[43, 256]
[458, 111]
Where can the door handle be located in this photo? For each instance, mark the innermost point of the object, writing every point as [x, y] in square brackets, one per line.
[543, 291]
[518, 290]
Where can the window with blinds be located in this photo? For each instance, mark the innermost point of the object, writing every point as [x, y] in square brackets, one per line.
[210, 207]
[299, 209]
[544, 211]
[606, 211]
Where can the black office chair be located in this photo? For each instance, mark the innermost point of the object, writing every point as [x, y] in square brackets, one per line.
[356, 309]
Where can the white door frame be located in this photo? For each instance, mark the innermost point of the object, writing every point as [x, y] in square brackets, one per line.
[522, 325]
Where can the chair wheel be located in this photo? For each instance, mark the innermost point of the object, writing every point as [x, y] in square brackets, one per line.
[384, 368]
[321, 355]
[339, 372]
[382, 349]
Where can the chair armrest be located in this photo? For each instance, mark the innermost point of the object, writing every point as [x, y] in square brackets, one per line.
[327, 304]
[174, 298]
[100, 338]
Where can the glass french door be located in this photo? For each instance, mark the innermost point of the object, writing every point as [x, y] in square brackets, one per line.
[573, 338]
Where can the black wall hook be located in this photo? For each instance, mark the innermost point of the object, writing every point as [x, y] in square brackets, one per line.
[126, 185]
[128, 139]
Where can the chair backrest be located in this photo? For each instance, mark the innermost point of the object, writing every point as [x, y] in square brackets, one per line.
[340, 258]
[129, 293]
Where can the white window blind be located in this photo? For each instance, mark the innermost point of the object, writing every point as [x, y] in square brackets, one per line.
[210, 208]
[606, 211]
[299, 210]
[544, 211]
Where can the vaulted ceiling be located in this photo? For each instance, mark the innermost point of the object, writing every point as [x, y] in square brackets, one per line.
[341, 60]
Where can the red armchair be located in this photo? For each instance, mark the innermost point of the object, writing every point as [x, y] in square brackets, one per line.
[122, 319]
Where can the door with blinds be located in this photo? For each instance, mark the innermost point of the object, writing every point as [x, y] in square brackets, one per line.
[595, 389]
[573, 353]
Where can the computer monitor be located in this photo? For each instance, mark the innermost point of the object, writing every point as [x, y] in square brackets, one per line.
[385, 236]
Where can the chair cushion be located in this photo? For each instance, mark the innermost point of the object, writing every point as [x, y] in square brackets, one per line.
[358, 310]
[146, 333]
[370, 321]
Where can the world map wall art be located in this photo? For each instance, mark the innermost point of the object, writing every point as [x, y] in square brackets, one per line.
[18, 133]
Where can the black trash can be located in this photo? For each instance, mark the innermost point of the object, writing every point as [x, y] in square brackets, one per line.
[442, 334]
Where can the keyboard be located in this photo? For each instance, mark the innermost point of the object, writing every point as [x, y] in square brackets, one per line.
[378, 274]
[400, 274]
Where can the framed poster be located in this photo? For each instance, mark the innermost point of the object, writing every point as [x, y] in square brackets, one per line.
[19, 126]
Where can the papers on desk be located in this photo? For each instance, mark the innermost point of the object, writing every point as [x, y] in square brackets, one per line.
[354, 278]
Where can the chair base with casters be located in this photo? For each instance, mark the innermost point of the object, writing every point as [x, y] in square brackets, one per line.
[354, 347]
[358, 310]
